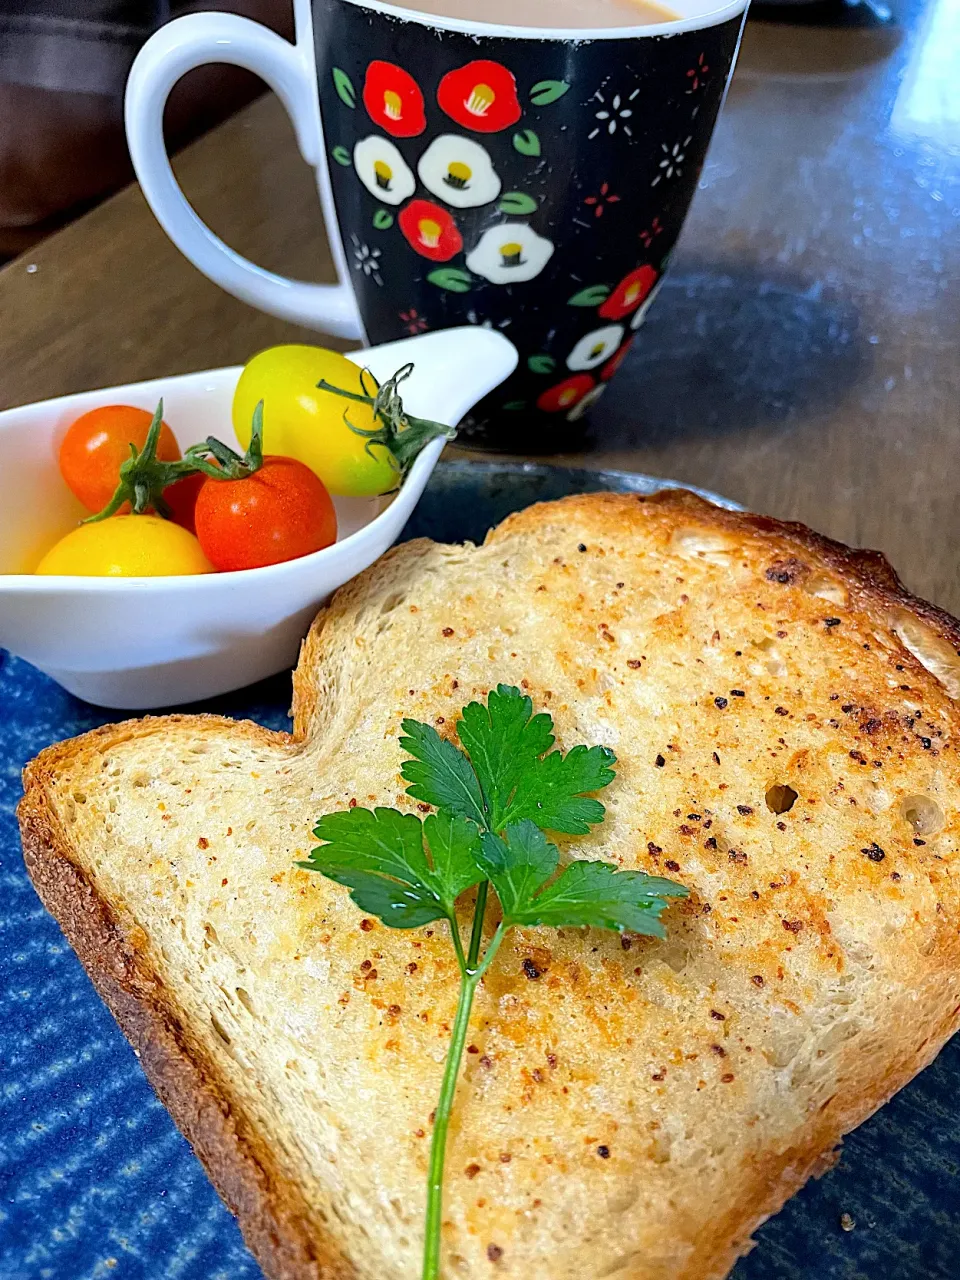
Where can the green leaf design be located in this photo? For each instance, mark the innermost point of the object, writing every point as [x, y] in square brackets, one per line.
[541, 364]
[439, 773]
[554, 792]
[504, 740]
[344, 87]
[453, 278]
[592, 296]
[527, 143]
[379, 856]
[518, 202]
[514, 405]
[382, 220]
[546, 91]
[518, 864]
[342, 156]
[601, 895]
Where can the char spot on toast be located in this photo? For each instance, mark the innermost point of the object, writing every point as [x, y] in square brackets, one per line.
[788, 572]
[874, 852]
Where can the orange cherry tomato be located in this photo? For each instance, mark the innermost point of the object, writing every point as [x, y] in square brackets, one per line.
[280, 512]
[98, 442]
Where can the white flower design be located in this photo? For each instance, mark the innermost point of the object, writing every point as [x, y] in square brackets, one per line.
[382, 170]
[588, 401]
[595, 347]
[508, 253]
[459, 171]
[366, 260]
[671, 166]
[473, 317]
[638, 317]
[613, 114]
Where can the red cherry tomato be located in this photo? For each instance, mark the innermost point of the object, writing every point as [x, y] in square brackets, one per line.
[281, 512]
[98, 442]
[181, 498]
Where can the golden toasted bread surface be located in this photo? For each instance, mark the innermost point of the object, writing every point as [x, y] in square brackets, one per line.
[785, 724]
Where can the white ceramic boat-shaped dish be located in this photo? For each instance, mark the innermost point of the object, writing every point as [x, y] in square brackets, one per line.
[137, 643]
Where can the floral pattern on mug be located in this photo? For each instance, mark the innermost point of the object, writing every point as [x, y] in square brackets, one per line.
[638, 317]
[509, 253]
[595, 347]
[459, 171]
[393, 100]
[629, 293]
[492, 162]
[566, 394]
[481, 96]
[430, 230]
[382, 170]
[586, 404]
[615, 361]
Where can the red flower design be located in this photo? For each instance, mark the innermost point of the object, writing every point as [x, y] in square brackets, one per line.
[413, 321]
[430, 230]
[481, 96]
[698, 75]
[629, 293]
[615, 361]
[649, 234]
[566, 394]
[602, 200]
[393, 100]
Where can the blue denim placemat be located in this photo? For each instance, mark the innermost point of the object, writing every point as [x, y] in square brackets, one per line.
[97, 1184]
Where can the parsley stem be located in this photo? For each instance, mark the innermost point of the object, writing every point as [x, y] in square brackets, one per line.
[469, 981]
[457, 943]
[476, 936]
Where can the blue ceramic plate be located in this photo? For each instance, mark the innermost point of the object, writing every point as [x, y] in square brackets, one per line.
[97, 1184]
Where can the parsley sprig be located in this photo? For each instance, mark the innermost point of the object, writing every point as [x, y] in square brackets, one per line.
[495, 795]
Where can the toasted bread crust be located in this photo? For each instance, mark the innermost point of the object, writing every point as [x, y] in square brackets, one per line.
[276, 1222]
[270, 1210]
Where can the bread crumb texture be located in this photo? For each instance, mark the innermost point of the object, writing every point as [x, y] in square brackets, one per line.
[784, 721]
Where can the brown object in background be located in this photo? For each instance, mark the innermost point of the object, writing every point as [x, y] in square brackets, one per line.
[62, 144]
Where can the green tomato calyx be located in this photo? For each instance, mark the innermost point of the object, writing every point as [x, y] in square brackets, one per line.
[143, 477]
[228, 464]
[401, 434]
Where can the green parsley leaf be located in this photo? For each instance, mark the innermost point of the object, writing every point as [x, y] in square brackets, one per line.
[518, 864]
[598, 894]
[503, 743]
[379, 856]
[552, 792]
[454, 845]
[439, 773]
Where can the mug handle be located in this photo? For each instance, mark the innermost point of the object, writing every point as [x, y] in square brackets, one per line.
[175, 49]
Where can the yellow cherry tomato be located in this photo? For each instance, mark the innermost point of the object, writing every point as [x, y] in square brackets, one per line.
[126, 547]
[300, 421]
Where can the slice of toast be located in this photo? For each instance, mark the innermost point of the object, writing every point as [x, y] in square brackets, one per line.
[785, 723]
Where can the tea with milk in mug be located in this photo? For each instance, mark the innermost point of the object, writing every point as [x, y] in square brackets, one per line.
[561, 14]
